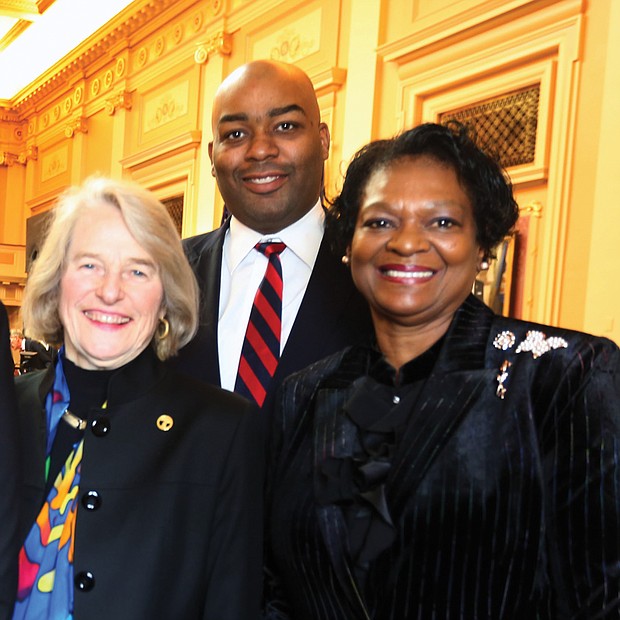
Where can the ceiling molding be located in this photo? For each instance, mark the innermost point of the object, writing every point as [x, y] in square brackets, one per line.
[24, 12]
[22, 9]
[12, 34]
[93, 48]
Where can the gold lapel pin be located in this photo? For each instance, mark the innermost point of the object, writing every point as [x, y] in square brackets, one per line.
[165, 422]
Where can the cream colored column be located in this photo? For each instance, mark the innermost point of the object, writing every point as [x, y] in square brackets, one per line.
[118, 138]
[361, 75]
[602, 300]
[206, 215]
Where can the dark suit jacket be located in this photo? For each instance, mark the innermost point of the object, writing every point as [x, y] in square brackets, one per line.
[9, 474]
[178, 533]
[505, 508]
[332, 314]
[36, 355]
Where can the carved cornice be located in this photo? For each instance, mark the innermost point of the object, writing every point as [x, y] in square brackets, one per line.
[66, 70]
[13, 33]
[9, 116]
[221, 43]
[24, 8]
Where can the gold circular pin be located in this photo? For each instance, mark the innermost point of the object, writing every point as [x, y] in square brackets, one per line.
[164, 422]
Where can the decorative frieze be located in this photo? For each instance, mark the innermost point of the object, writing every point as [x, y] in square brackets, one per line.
[221, 43]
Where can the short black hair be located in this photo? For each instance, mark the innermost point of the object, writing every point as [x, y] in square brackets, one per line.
[483, 179]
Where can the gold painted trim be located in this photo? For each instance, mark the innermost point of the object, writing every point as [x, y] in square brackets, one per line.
[122, 100]
[221, 43]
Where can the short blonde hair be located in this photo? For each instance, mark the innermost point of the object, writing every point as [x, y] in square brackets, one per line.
[150, 224]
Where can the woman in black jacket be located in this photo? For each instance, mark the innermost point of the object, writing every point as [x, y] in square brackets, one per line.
[463, 465]
[142, 488]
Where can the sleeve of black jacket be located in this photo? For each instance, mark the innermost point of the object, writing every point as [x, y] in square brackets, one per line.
[8, 475]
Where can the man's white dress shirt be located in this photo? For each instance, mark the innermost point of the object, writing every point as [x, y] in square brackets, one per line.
[243, 269]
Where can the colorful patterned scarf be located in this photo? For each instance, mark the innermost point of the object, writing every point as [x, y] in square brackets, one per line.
[45, 589]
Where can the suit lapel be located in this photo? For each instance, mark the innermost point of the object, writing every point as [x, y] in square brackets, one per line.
[205, 256]
[320, 325]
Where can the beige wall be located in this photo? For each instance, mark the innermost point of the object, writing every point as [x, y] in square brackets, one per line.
[138, 105]
[591, 293]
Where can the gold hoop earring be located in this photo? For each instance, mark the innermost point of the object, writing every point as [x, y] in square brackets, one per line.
[162, 335]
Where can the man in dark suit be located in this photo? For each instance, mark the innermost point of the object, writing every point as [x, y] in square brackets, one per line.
[31, 354]
[8, 474]
[268, 152]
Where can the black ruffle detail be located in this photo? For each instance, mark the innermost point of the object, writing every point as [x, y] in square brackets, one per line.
[357, 484]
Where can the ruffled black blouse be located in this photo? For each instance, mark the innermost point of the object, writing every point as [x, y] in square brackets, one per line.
[380, 406]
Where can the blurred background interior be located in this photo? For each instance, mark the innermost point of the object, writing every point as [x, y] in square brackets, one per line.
[125, 88]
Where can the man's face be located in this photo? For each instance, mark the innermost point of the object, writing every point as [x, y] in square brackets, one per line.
[268, 148]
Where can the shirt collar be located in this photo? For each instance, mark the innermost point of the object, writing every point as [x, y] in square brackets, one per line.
[302, 237]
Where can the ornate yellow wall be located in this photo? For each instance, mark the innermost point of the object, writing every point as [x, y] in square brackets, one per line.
[136, 103]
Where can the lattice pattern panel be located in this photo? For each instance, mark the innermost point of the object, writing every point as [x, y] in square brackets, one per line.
[505, 126]
[174, 206]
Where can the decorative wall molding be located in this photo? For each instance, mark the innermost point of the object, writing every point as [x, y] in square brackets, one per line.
[184, 141]
[536, 48]
[220, 43]
[30, 154]
[534, 209]
[431, 33]
[8, 159]
[329, 81]
[296, 40]
[122, 100]
[54, 162]
[12, 293]
[77, 125]
[12, 267]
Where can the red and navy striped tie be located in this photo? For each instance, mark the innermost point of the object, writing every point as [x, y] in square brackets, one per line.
[261, 347]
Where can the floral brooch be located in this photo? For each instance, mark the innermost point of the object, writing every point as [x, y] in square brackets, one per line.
[535, 342]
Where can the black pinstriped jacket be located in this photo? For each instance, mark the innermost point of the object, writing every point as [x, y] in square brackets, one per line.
[504, 507]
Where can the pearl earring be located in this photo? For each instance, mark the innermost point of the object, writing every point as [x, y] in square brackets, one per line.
[345, 260]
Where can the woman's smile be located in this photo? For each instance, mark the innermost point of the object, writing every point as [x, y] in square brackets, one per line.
[414, 252]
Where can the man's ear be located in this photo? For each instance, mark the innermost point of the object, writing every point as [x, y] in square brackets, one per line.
[325, 139]
[210, 149]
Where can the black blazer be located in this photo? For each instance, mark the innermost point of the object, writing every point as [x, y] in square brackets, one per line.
[9, 474]
[505, 507]
[332, 314]
[178, 532]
